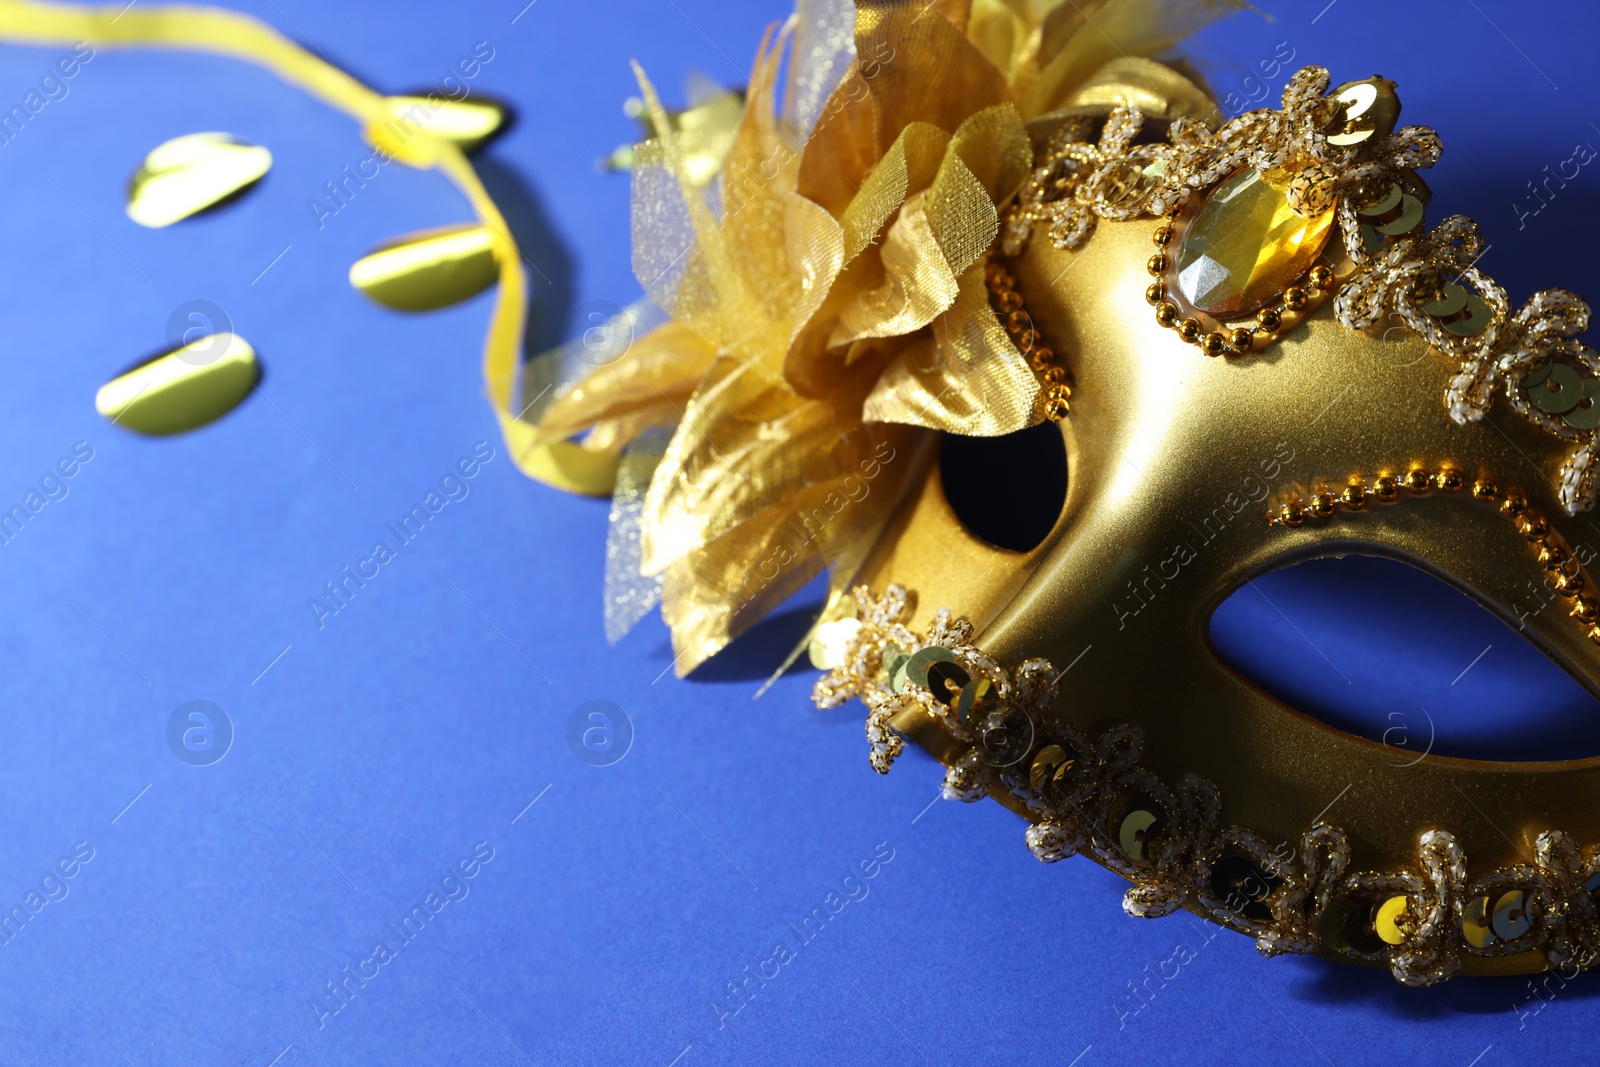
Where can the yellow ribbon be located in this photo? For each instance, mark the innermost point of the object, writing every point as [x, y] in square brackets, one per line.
[562, 464]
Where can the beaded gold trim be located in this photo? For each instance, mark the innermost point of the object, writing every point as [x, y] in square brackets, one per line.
[1008, 306]
[1564, 572]
[1339, 152]
[1088, 794]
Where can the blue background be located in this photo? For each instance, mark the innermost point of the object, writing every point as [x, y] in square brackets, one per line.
[429, 714]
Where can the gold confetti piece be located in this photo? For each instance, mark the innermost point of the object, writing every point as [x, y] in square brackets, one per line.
[186, 175]
[466, 123]
[183, 389]
[428, 269]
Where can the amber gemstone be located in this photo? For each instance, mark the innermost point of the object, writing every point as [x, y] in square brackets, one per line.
[1246, 245]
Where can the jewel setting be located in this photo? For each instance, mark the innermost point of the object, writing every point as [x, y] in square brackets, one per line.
[1248, 212]
[1244, 246]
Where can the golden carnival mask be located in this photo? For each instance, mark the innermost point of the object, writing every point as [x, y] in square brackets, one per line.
[968, 217]
[993, 221]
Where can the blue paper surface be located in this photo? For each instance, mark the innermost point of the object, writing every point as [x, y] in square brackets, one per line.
[233, 913]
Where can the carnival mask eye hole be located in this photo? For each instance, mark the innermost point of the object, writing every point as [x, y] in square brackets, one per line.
[1382, 650]
[1007, 491]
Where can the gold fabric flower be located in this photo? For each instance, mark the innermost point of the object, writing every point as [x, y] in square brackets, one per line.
[826, 294]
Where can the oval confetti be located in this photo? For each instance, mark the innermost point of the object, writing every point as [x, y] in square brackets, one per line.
[189, 174]
[183, 389]
[428, 269]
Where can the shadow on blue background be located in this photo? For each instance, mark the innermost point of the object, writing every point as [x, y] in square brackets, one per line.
[550, 283]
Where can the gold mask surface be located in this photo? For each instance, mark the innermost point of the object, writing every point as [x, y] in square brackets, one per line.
[1175, 460]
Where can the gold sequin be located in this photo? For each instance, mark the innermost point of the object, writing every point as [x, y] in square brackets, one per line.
[1051, 770]
[915, 671]
[1368, 108]
[1475, 923]
[946, 681]
[972, 696]
[1585, 415]
[1393, 921]
[1410, 214]
[1387, 203]
[1554, 387]
[1477, 318]
[1462, 311]
[1511, 919]
[1135, 832]
[894, 657]
[1450, 301]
